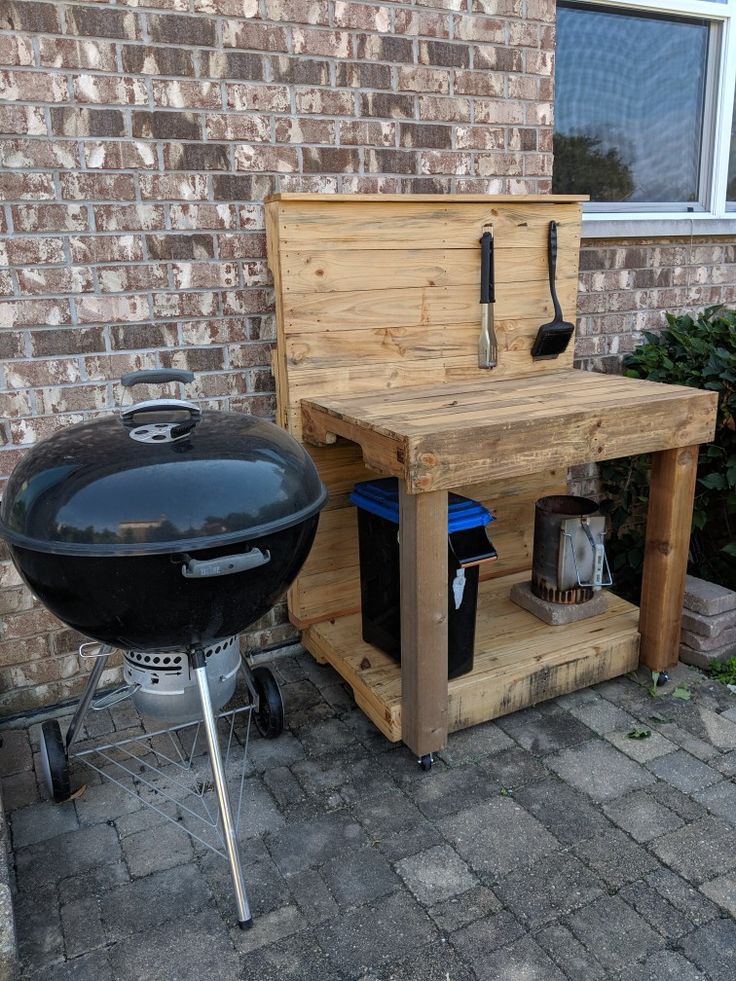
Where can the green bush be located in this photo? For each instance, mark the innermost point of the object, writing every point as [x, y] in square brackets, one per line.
[700, 353]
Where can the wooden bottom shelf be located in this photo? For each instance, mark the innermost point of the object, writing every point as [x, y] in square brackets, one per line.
[519, 661]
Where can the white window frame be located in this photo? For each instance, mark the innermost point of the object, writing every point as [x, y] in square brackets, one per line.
[715, 218]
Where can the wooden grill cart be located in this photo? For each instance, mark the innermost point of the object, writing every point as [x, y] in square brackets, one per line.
[378, 314]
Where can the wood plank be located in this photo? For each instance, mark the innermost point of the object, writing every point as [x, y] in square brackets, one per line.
[426, 306]
[514, 427]
[423, 560]
[514, 199]
[671, 493]
[441, 224]
[369, 269]
[519, 661]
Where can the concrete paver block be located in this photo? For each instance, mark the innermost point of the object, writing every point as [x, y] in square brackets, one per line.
[436, 875]
[697, 642]
[708, 597]
[557, 614]
[701, 659]
[705, 626]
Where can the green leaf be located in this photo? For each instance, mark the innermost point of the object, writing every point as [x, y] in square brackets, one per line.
[638, 733]
[713, 481]
[682, 693]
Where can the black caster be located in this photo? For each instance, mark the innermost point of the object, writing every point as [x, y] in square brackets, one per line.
[270, 715]
[662, 679]
[54, 762]
[426, 762]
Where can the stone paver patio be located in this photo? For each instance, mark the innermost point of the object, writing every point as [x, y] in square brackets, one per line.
[543, 847]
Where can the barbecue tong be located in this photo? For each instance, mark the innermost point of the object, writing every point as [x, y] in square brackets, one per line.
[487, 345]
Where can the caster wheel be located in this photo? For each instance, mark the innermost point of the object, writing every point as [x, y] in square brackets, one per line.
[426, 762]
[54, 762]
[662, 679]
[270, 716]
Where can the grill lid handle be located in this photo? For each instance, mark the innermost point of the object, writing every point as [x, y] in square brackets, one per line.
[225, 566]
[157, 376]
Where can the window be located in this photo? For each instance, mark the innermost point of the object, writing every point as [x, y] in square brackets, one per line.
[644, 118]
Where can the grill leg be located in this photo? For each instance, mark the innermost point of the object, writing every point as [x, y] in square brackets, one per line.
[89, 691]
[198, 663]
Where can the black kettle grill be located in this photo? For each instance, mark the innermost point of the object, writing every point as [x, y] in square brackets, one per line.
[164, 529]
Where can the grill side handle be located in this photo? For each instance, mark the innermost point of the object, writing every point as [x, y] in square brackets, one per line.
[157, 376]
[225, 566]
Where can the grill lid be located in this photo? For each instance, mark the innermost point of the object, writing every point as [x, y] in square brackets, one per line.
[111, 487]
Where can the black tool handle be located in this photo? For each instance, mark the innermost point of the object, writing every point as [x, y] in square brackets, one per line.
[157, 376]
[552, 260]
[487, 277]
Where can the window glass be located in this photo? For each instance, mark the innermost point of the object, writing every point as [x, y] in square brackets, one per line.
[731, 188]
[629, 102]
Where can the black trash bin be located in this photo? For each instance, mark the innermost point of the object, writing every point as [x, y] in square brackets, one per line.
[378, 540]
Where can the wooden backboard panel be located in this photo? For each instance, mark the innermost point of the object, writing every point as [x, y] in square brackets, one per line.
[379, 292]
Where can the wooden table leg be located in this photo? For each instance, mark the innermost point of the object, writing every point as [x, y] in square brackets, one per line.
[671, 493]
[423, 538]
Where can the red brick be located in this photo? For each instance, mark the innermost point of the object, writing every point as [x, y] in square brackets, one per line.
[421, 23]
[196, 156]
[34, 251]
[329, 44]
[101, 22]
[15, 50]
[177, 29]
[335, 160]
[49, 279]
[445, 162]
[384, 47]
[305, 131]
[500, 59]
[73, 121]
[173, 305]
[265, 158]
[438, 108]
[73, 340]
[391, 161]
[106, 248]
[180, 246]
[111, 309]
[49, 217]
[362, 17]
[257, 98]
[234, 64]
[25, 120]
[75, 398]
[444, 53]
[167, 125]
[39, 154]
[325, 102]
[33, 374]
[298, 11]
[254, 37]
[198, 217]
[131, 337]
[33, 87]
[479, 83]
[241, 246]
[60, 52]
[128, 217]
[204, 275]
[145, 60]
[367, 133]
[389, 106]
[173, 187]
[417, 79]
[299, 71]
[126, 279]
[119, 155]
[250, 128]
[187, 94]
[30, 17]
[26, 187]
[480, 138]
[430, 136]
[97, 187]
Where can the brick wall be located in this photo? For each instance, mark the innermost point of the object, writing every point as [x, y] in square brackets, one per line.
[137, 140]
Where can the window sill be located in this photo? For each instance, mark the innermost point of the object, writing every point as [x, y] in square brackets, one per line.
[596, 225]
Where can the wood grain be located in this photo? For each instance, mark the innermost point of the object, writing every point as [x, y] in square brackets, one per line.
[671, 493]
[519, 661]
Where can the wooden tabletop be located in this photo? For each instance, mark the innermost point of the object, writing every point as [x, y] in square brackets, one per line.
[444, 436]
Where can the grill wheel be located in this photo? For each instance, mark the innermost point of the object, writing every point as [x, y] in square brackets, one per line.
[270, 715]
